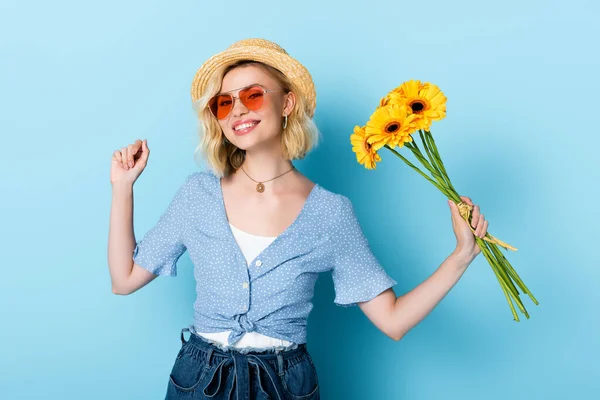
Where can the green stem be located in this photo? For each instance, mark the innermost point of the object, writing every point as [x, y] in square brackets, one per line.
[455, 196]
[416, 151]
[441, 184]
[434, 160]
[449, 192]
[503, 287]
[434, 171]
[512, 272]
[416, 169]
[496, 263]
[431, 142]
[499, 264]
[493, 247]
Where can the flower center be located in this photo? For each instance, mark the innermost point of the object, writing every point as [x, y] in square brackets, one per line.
[392, 127]
[417, 106]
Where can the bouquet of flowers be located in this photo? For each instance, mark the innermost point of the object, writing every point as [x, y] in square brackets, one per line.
[405, 111]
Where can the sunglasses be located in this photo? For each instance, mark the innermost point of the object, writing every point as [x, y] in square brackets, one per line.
[252, 98]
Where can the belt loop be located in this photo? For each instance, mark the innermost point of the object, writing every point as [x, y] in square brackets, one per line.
[280, 363]
[209, 355]
[183, 341]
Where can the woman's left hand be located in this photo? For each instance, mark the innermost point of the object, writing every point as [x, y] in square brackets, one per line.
[466, 245]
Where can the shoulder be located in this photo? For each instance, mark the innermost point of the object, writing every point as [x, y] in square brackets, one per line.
[202, 176]
[336, 205]
[198, 186]
[201, 180]
[338, 219]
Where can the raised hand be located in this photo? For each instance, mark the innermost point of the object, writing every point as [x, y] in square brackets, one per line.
[128, 163]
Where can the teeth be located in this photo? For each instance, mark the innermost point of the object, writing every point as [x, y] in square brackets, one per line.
[244, 126]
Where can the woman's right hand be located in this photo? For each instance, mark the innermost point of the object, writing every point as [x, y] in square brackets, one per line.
[128, 163]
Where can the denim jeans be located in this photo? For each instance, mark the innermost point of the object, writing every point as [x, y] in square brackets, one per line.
[204, 371]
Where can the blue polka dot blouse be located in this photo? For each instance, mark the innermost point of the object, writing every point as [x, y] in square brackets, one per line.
[273, 294]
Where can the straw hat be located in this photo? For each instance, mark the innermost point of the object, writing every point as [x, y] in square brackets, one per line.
[266, 52]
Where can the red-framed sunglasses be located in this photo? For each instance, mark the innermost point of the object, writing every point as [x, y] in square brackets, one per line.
[251, 96]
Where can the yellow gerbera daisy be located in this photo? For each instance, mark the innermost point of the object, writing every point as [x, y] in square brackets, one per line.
[392, 125]
[365, 154]
[425, 100]
[391, 98]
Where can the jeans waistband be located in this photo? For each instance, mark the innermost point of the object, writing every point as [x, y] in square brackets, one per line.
[238, 363]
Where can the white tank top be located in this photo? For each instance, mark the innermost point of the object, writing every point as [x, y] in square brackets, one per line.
[251, 246]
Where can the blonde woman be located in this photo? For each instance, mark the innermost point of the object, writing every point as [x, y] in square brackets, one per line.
[258, 233]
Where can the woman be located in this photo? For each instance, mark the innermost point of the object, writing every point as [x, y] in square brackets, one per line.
[258, 233]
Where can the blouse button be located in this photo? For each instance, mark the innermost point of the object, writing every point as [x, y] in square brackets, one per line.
[245, 285]
[258, 263]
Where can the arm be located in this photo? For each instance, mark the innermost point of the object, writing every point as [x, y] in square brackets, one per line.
[126, 276]
[395, 316]
[126, 166]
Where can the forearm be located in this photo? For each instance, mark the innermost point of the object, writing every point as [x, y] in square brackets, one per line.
[121, 238]
[412, 307]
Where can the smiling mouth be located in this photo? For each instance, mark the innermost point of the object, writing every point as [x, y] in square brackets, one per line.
[245, 126]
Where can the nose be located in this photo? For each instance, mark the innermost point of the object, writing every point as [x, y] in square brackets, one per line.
[238, 107]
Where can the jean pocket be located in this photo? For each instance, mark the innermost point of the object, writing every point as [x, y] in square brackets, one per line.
[188, 370]
[300, 379]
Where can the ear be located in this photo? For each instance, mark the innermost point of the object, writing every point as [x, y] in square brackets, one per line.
[288, 103]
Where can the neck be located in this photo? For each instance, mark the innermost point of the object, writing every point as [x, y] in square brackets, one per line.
[262, 167]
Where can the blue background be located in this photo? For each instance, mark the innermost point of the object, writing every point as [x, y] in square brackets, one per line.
[79, 80]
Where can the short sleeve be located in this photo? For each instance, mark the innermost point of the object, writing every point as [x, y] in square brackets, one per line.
[357, 274]
[163, 244]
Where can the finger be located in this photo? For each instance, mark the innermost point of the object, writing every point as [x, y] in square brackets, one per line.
[457, 219]
[130, 156]
[485, 226]
[145, 151]
[480, 223]
[479, 226]
[117, 156]
[467, 200]
[136, 149]
[475, 216]
[454, 213]
[453, 208]
[124, 157]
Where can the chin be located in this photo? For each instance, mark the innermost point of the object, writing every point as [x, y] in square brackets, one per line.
[248, 144]
[253, 139]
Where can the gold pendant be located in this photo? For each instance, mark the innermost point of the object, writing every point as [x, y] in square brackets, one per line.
[260, 187]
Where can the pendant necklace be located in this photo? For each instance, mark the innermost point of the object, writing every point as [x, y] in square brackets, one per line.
[260, 187]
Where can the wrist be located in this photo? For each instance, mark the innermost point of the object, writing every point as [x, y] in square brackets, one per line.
[122, 187]
[463, 258]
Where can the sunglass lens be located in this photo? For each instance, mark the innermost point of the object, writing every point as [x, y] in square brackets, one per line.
[252, 97]
[221, 105]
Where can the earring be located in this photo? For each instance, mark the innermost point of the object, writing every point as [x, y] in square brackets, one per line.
[285, 122]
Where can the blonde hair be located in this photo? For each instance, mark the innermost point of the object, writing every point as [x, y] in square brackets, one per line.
[299, 137]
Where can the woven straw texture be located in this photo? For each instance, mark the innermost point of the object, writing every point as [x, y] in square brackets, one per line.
[266, 52]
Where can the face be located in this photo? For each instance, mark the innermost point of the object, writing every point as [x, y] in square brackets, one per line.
[266, 122]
